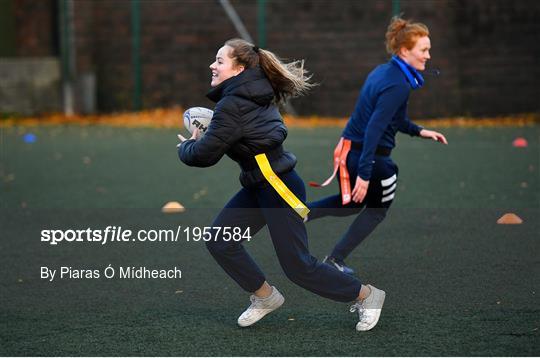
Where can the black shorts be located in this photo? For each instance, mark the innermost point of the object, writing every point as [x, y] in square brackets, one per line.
[383, 183]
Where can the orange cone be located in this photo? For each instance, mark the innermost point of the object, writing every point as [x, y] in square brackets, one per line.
[173, 207]
[520, 142]
[509, 218]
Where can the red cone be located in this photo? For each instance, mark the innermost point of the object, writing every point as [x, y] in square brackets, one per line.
[509, 218]
[520, 142]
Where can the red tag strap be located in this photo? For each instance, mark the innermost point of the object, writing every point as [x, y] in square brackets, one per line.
[337, 155]
[345, 185]
[340, 161]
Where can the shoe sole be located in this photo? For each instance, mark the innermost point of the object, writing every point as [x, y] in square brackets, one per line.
[280, 303]
[371, 326]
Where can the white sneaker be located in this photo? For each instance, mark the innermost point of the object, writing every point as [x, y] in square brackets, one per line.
[369, 310]
[260, 307]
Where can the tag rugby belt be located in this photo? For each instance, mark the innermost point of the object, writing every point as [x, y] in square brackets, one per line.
[340, 161]
[280, 187]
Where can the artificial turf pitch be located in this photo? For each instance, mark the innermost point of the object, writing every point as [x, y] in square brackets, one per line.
[457, 283]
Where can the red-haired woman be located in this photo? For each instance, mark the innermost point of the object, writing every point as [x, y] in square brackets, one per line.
[369, 137]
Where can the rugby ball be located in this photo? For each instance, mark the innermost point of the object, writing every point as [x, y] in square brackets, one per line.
[197, 118]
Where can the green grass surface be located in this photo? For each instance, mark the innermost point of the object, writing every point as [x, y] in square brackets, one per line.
[457, 283]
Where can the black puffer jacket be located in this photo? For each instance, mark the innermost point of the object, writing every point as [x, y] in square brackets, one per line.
[245, 123]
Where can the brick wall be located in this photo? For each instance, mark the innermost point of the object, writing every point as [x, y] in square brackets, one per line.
[35, 28]
[485, 50]
[498, 45]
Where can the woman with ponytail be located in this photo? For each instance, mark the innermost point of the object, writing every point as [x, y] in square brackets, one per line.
[369, 137]
[248, 82]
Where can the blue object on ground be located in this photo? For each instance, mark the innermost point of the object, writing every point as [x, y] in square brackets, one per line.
[29, 138]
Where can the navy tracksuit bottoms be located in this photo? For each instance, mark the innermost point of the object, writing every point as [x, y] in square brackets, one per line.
[371, 211]
[257, 207]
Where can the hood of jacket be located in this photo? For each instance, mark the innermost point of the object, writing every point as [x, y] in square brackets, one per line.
[251, 84]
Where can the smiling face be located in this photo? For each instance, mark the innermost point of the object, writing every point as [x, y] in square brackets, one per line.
[224, 66]
[418, 55]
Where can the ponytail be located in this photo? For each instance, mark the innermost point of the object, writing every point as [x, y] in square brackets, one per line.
[287, 79]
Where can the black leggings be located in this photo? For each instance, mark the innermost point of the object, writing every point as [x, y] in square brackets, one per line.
[371, 211]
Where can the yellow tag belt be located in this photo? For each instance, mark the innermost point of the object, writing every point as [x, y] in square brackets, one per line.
[280, 186]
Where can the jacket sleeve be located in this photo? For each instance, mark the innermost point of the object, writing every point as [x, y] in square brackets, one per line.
[224, 130]
[388, 102]
[409, 127]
